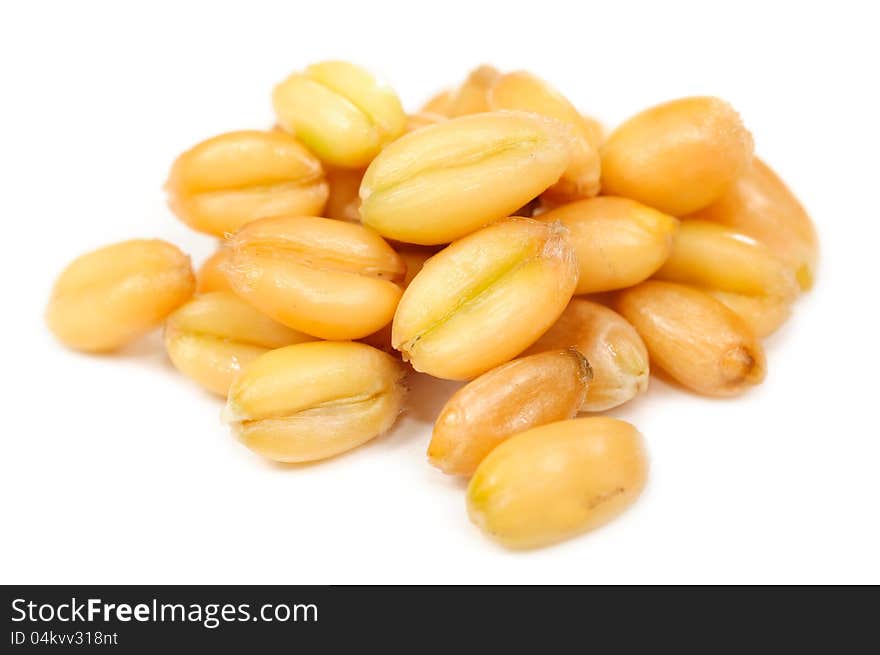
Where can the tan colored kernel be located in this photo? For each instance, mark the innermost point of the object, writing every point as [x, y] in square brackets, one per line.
[556, 481]
[311, 401]
[439, 103]
[327, 278]
[420, 120]
[694, 338]
[109, 297]
[485, 298]
[472, 96]
[525, 92]
[614, 349]
[763, 314]
[712, 256]
[760, 205]
[516, 396]
[619, 242]
[211, 275]
[343, 202]
[228, 181]
[444, 181]
[214, 336]
[679, 156]
[340, 111]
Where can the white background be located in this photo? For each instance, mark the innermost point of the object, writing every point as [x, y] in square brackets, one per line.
[117, 470]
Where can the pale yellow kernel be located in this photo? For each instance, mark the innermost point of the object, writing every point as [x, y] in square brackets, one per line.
[444, 181]
[343, 113]
[486, 298]
[216, 335]
[712, 256]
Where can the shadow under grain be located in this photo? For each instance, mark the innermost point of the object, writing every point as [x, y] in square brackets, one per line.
[428, 395]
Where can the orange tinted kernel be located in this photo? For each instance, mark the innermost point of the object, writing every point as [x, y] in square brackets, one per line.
[227, 181]
[211, 275]
[521, 394]
[328, 278]
[619, 242]
[472, 96]
[109, 297]
[679, 156]
[694, 338]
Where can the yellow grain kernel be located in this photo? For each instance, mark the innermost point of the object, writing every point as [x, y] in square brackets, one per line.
[763, 314]
[109, 297]
[340, 111]
[211, 275]
[327, 278]
[485, 298]
[712, 256]
[315, 400]
[227, 181]
[762, 206]
[444, 181]
[556, 481]
[525, 92]
[679, 156]
[214, 336]
[619, 242]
